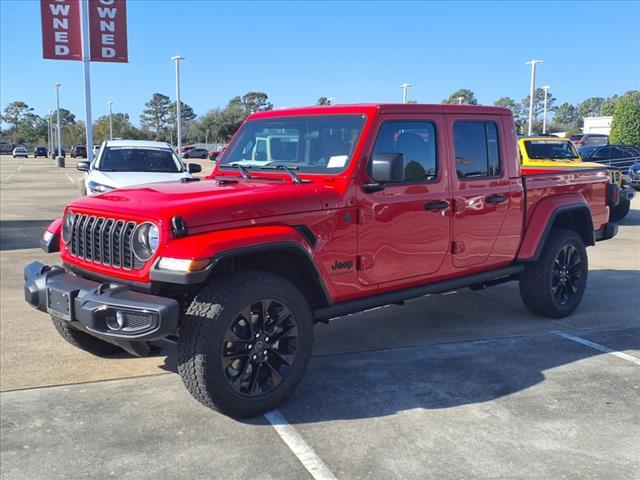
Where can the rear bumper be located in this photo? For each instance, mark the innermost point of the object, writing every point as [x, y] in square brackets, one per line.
[105, 310]
[610, 230]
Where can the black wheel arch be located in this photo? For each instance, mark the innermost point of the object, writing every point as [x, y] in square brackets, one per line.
[286, 259]
[575, 217]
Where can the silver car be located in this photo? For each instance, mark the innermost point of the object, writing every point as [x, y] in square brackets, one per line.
[20, 151]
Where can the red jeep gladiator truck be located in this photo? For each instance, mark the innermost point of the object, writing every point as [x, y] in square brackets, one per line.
[311, 214]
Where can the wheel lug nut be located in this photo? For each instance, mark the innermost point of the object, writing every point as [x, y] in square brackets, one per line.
[266, 339]
[249, 347]
[254, 357]
[264, 353]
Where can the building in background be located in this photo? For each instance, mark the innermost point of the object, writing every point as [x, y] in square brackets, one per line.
[597, 125]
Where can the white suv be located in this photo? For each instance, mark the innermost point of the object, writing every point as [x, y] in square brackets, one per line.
[122, 163]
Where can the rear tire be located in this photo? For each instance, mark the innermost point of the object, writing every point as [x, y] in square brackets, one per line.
[620, 211]
[553, 285]
[84, 341]
[245, 368]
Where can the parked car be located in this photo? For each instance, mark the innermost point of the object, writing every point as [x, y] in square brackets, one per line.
[122, 163]
[196, 153]
[184, 149]
[581, 139]
[20, 151]
[54, 152]
[6, 147]
[216, 151]
[634, 176]
[78, 151]
[40, 151]
[621, 156]
[385, 203]
[552, 154]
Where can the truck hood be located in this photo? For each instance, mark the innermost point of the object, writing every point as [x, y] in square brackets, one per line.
[205, 202]
[126, 179]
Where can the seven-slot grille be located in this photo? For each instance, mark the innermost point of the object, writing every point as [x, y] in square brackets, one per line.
[103, 240]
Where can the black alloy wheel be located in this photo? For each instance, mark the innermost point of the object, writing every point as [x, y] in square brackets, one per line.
[566, 274]
[260, 347]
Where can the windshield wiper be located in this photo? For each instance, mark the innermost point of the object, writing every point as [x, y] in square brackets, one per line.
[243, 169]
[290, 170]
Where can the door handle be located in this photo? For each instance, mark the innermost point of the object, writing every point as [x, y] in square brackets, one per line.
[494, 199]
[436, 205]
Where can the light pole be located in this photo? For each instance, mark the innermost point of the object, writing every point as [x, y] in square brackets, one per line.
[533, 64]
[460, 99]
[544, 115]
[405, 87]
[58, 85]
[110, 121]
[50, 133]
[177, 59]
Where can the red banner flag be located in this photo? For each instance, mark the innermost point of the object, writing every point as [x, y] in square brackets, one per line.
[61, 36]
[108, 27]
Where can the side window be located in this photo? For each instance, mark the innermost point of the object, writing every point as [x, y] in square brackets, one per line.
[416, 141]
[477, 149]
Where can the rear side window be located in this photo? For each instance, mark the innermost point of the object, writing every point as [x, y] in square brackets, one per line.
[416, 141]
[477, 149]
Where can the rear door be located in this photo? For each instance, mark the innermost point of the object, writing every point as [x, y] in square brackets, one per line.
[404, 230]
[481, 188]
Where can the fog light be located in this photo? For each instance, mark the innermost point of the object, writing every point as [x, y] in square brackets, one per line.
[117, 321]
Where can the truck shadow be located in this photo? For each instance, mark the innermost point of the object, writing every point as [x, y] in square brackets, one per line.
[429, 355]
[632, 218]
[20, 234]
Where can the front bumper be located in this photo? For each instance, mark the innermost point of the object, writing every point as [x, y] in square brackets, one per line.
[108, 311]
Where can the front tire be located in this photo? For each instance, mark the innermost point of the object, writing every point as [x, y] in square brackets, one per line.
[245, 342]
[620, 211]
[84, 341]
[553, 286]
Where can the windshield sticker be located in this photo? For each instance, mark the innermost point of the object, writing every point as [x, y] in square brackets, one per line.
[160, 149]
[547, 142]
[337, 161]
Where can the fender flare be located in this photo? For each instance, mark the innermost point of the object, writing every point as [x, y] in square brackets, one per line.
[535, 237]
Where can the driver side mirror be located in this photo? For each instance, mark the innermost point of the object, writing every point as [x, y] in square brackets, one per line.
[385, 168]
[83, 166]
[194, 168]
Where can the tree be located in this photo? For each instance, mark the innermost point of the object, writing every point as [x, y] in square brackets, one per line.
[625, 127]
[516, 110]
[252, 102]
[566, 115]
[590, 107]
[609, 106]
[122, 128]
[467, 97]
[157, 114]
[66, 117]
[538, 103]
[322, 101]
[14, 114]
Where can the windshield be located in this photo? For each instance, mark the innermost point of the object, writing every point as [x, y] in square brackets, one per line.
[132, 159]
[310, 144]
[576, 137]
[550, 149]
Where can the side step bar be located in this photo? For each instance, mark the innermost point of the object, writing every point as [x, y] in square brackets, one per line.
[353, 306]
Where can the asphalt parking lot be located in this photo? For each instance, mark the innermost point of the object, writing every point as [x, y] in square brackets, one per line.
[462, 385]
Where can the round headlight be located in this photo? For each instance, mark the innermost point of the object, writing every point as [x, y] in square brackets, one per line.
[145, 241]
[67, 227]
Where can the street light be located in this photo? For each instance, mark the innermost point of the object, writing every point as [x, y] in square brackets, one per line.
[50, 133]
[177, 59]
[405, 87]
[110, 121]
[533, 64]
[58, 85]
[544, 115]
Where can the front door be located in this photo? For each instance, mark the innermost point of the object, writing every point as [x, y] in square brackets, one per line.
[404, 229]
[482, 189]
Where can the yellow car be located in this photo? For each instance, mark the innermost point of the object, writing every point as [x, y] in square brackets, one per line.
[546, 154]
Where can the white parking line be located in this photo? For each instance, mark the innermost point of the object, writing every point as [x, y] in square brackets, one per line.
[597, 346]
[301, 449]
[70, 179]
[8, 178]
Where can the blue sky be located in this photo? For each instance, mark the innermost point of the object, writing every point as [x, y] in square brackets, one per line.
[353, 51]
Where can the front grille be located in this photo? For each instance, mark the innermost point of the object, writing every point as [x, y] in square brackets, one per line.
[103, 240]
